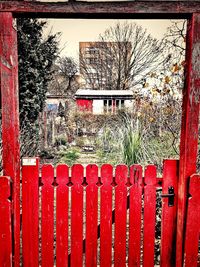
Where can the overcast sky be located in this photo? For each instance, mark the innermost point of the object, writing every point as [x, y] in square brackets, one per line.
[79, 30]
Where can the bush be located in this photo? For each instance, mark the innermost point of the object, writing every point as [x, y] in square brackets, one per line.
[46, 154]
[69, 157]
[61, 141]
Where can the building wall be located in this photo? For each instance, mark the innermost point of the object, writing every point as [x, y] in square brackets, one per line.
[95, 57]
[98, 107]
[101, 106]
[84, 105]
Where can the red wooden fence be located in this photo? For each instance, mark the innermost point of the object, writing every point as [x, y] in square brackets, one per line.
[105, 204]
[65, 214]
[5, 223]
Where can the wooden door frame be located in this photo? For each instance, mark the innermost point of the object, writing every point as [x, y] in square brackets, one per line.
[189, 10]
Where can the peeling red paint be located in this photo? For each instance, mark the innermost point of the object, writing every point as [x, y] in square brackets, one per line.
[10, 118]
[172, 9]
[189, 129]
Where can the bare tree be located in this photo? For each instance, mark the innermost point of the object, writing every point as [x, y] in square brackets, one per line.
[64, 77]
[123, 56]
[175, 40]
[67, 68]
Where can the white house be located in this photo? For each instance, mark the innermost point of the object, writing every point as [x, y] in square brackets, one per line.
[103, 101]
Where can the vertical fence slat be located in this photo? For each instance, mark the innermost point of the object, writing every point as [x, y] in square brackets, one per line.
[149, 216]
[62, 178]
[77, 216]
[135, 212]
[120, 215]
[30, 214]
[106, 216]
[5, 223]
[91, 215]
[193, 223]
[169, 215]
[47, 224]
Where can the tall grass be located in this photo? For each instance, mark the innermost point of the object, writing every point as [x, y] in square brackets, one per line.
[131, 146]
[131, 140]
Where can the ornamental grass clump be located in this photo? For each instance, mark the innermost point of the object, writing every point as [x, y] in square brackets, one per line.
[131, 140]
[131, 146]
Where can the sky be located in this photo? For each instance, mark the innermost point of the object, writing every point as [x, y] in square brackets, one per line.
[74, 31]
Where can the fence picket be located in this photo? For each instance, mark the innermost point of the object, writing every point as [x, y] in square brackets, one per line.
[149, 216]
[125, 198]
[193, 223]
[5, 223]
[77, 216]
[62, 178]
[135, 213]
[106, 216]
[120, 215]
[47, 222]
[91, 215]
[169, 215]
[30, 214]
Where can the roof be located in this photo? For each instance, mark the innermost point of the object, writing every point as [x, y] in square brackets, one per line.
[57, 96]
[88, 92]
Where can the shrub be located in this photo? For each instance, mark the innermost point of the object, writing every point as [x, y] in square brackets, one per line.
[70, 157]
[61, 141]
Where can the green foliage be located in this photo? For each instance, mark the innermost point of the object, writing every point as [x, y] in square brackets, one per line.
[36, 56]
[69, 157]
[131, 146]
[137, 138]
[46, 154]
[113, 157]
[61, 141]
[61, 110]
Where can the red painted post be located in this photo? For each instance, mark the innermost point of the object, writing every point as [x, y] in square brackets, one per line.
[77, 216]
[5, 223]
[47, 223]
[169, 214]
[193, 223]
[91, 215]
[149, 215]
[30, 212]
[10, 118]
[189, 128]
[120, 215]
[62, 192]
[135, 215]
[106, 216]
[16, 185]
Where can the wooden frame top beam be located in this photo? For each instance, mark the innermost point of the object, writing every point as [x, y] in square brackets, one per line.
[125, 9]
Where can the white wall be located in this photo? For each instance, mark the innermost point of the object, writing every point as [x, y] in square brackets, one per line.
[98, 107]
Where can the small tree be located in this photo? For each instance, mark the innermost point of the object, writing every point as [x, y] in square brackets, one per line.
[64, 77]
[36, 56]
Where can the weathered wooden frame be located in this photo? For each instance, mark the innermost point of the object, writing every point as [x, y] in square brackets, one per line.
[189, 10]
